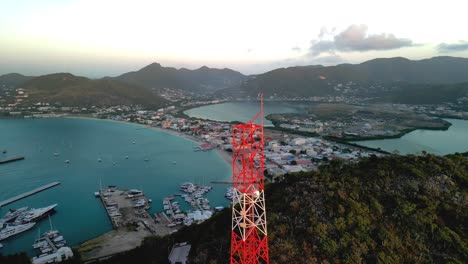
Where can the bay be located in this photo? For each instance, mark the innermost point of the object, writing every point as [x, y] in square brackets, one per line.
[80, 216]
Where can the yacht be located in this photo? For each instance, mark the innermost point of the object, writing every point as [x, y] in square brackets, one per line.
[14, 230]
[35, 214]
[12, 215]
[67, 161]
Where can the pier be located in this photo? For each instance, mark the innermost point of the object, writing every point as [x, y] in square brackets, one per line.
[26, 194]
[11, 159]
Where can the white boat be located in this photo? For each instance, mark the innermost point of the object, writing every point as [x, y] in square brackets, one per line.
[99, 160]
[35, 214]
[58, 239]
[12, 215]
[96, 194]
[126, 157]
[174, 162]
[67, 161]
[56, 154]
[14, 230]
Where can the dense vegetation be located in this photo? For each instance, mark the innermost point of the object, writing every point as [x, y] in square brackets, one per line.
[394, 209]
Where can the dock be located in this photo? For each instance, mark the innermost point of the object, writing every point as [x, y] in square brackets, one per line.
[11, 160]
[26, 194]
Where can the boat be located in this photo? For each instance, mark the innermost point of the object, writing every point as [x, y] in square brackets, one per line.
[12, 215]
[146, 159]
[174, 162]
[96, 194]
[67, 161]
[4, 151]
[99, 160]
[35, 214]
[133, 142]
[126, 157]
[56, 154]
[10, 231]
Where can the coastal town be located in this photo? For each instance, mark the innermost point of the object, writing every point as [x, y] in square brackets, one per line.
[297, 142]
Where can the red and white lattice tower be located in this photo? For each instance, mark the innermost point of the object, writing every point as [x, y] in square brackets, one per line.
[249, 243]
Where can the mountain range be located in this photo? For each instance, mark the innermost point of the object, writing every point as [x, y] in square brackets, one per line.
[318, 80]
[392, 79]
[204, 79]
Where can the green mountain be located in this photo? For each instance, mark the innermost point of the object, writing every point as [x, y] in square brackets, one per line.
[70, 90]
[394, 209]
[425, 94]
[13, 80]
[319, 81]
[203, 79]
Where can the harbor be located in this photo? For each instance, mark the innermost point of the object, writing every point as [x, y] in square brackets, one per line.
[127, 211]
[11, 160]
[78, 208]
[26, 194]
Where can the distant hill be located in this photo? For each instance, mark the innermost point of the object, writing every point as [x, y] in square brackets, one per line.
[204, 79]
[316, 80]
[13, 80]
[68, 89]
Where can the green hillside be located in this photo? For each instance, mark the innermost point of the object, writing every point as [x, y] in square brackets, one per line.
[305, 81]
[67, 89]
[203, 79]
[13, 80]
[396, 209]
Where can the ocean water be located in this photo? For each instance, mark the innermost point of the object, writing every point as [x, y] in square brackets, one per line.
[439, 142]
[79, 215]
[244, 111]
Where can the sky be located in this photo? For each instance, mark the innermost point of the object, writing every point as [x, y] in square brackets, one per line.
[96, 38]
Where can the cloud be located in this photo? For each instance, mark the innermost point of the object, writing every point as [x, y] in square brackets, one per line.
[355, 38]
[454, 47]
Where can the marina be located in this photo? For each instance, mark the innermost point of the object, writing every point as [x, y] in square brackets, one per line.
[11, 160]
[26, 194]
[51, 247]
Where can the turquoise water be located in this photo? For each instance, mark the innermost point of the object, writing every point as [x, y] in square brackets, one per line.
[80, 216]
[243, 111]
[455, 139]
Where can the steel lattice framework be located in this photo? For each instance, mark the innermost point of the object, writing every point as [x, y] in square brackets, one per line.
[249, 243]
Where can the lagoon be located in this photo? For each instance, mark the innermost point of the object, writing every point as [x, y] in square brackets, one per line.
[244, 111]
[439, 142]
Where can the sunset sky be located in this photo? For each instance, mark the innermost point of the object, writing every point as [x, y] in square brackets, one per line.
[100, 37]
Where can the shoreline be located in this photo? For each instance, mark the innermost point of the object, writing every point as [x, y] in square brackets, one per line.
[221, 153]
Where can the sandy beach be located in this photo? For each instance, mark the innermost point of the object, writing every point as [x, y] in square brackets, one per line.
[226, 156]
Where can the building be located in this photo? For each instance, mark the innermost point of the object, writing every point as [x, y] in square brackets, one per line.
[62, 254]
[179, 253]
